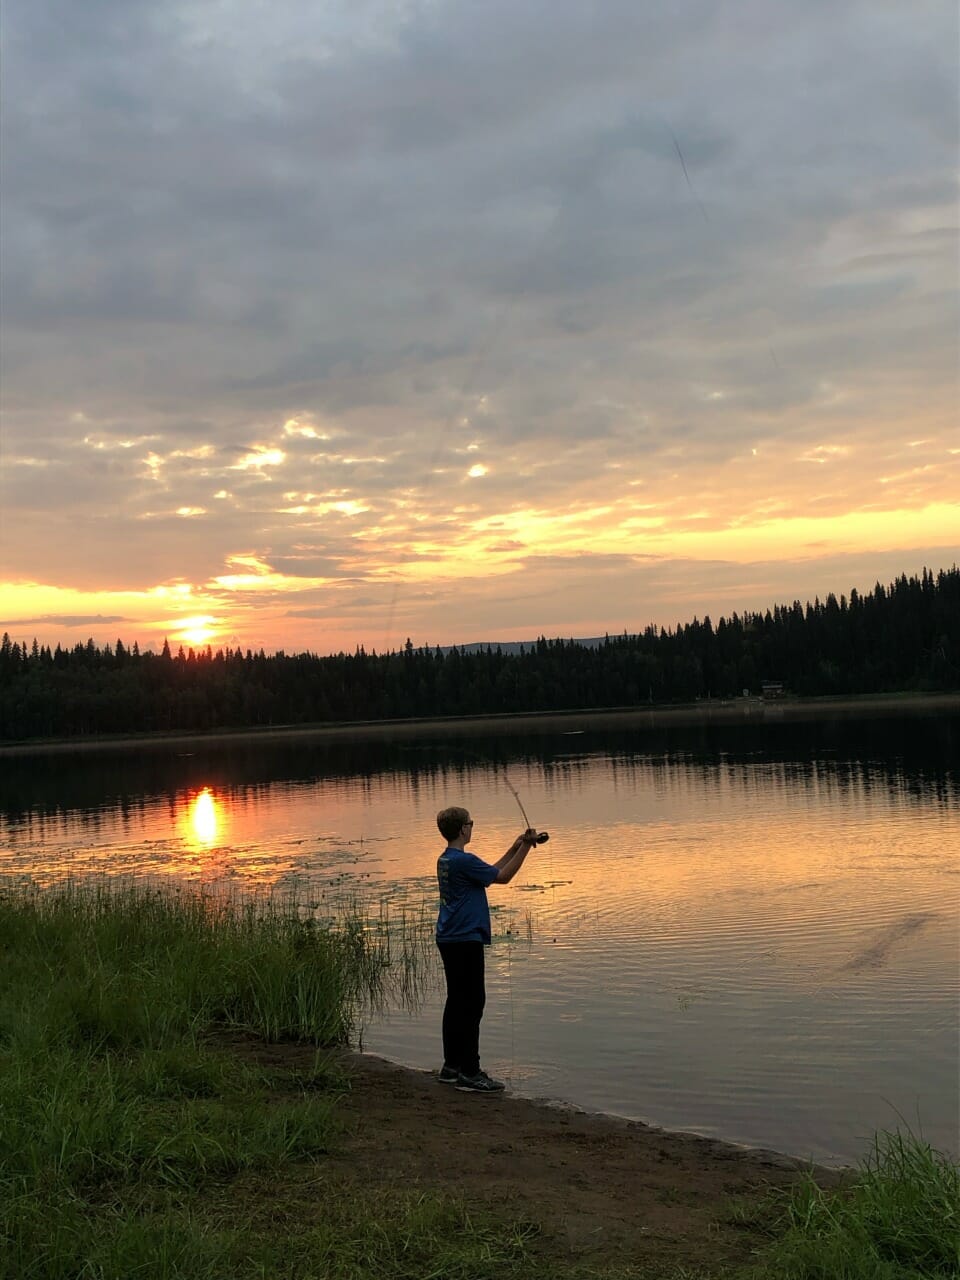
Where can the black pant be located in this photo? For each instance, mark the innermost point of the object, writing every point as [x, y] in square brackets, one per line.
[466, 996]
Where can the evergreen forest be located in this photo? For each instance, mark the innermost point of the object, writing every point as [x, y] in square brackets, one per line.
[902, 637]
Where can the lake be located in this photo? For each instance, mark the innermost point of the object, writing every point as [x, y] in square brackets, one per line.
[748, 930]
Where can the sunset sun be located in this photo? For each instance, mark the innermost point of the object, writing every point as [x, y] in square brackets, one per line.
[197, 631]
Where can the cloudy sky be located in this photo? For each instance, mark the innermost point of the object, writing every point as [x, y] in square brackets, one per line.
[326, 324]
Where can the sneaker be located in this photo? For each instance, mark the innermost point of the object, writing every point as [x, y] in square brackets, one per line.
[448, 1075]
[480, 1083]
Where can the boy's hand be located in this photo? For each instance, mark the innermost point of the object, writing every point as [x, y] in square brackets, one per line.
[529, 836]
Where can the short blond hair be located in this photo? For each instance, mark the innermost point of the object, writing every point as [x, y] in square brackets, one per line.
[451, 821]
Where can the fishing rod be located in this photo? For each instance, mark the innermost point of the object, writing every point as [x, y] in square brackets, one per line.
[488, 759]
[542, 836]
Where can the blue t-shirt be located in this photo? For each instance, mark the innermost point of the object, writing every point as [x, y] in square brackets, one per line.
[464, 914]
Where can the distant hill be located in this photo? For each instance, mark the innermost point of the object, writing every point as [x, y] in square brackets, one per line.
[518, 646]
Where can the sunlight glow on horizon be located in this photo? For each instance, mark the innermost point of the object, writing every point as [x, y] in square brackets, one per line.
[197, 631]
[257, 606]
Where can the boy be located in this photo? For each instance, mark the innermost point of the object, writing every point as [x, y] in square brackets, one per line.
[463, 930]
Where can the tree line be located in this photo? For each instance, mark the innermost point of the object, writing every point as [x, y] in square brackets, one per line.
[905, 636]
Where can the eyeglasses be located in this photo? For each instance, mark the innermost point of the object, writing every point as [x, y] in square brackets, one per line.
[468, 823]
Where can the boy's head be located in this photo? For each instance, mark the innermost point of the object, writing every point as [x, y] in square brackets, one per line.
[452, 821]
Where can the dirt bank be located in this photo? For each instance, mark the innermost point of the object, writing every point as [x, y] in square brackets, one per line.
[604, 1190]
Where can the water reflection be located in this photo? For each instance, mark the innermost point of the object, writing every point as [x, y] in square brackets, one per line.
[204, 818]
[916, 756]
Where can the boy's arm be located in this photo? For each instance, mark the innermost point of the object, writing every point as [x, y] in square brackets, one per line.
[514, 858]
[502, 862]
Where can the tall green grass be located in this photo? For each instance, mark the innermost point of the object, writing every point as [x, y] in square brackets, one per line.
[135, 1143]
[118, 967]
[899, 1219]
[116, 1107]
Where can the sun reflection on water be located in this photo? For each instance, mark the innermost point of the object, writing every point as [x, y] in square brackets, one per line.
[205, 818]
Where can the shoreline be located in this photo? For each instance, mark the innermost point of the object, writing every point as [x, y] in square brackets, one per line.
[604, 1191]
[375, 1064]
[731, 711]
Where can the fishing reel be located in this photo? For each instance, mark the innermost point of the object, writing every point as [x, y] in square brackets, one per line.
[542, 837]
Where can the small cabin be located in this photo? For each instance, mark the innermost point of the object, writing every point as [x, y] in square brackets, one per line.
[770, 690]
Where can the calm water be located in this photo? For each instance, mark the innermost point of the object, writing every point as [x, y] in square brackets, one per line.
[749, 931]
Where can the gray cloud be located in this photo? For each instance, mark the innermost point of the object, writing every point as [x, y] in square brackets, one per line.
[456, 234]
[64, 620]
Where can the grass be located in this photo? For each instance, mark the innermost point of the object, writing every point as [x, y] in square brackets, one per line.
[133, 1143]
[898, 1220]
[408, 1237]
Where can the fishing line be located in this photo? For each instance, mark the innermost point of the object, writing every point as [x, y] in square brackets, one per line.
[513, 1028]
[482, 358]
[496, 334]
[542, 839]
[683, 165]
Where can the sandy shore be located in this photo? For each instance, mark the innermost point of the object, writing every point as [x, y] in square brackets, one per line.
[604, 1190]
[737, 710]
